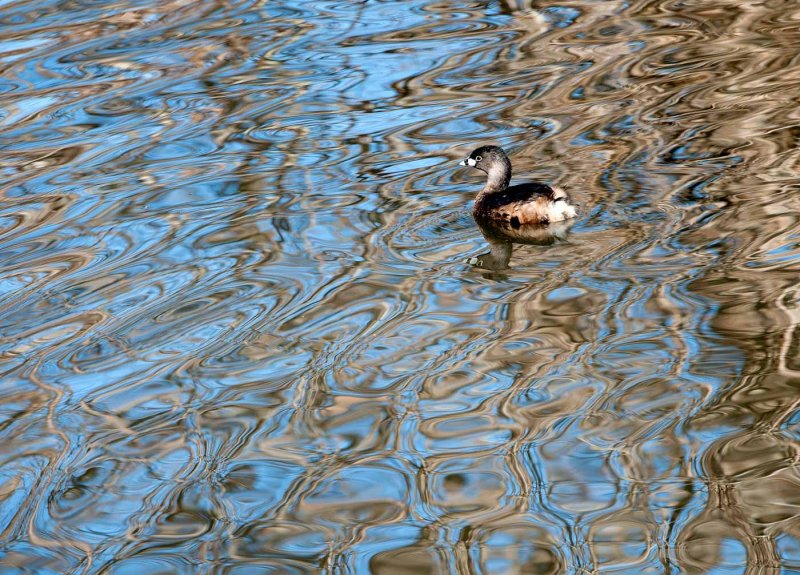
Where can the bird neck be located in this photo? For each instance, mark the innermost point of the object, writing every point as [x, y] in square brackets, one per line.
[498, 177]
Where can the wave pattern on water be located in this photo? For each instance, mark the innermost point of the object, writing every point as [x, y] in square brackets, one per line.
[237, 332]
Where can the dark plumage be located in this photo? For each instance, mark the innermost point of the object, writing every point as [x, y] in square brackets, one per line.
[531, 203]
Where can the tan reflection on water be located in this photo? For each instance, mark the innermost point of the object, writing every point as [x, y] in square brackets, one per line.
[238, 329]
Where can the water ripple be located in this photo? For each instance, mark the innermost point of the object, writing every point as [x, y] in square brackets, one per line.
[238, 332]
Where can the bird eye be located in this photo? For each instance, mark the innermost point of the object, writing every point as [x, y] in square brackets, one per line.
[478, 158]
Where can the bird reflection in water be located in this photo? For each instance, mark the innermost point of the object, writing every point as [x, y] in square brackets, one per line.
[501, 237]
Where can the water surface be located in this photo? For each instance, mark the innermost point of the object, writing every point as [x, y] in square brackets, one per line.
[238, 329]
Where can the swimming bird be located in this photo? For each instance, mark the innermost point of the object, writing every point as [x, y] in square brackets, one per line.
[532, 203]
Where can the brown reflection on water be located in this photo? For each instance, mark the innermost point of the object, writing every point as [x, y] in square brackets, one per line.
[238, 333]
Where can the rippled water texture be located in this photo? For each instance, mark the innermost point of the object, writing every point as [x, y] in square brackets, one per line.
[239, 329]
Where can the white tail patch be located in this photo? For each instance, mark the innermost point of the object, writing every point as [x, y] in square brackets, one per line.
[560, 209]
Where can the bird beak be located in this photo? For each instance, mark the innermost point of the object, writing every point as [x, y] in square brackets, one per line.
[467, 162]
